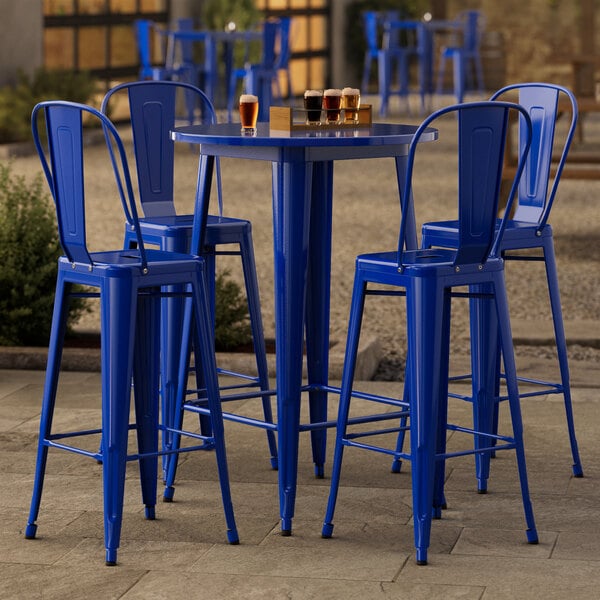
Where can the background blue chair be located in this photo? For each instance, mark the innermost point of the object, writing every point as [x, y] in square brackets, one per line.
[191, 66]
[403, 41]
[148, 34]
[187, 69]
[282, 63]
[262, 78]
[528, 229]
[128, 283]
[152, 109]
[428, 279]
[370, 19]
[465, 56]
[145, 36]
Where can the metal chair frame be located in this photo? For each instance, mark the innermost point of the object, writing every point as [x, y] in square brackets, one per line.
[527, 230]
[152, 110]
[129, 284]
[427, 278]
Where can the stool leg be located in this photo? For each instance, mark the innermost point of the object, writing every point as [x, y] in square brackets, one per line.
[210, 262]
[117, 330]
[425, 301]
[206, 346]
[258, 336]
[189, 328]
[384, 69]
[366, 72]
[484, 348]
[514, 403]
[397, 463]
[459, 74]
[439, 498]
[170, 335]
[146, 379]
[561, 348]
[439, 88]
[356, 313]
[55, 348]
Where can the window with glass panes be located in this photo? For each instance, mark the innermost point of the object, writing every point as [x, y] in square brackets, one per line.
[97, 35]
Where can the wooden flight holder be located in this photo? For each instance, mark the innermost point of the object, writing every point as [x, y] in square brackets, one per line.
[287, 118]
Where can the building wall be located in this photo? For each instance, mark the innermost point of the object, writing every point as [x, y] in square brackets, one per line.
[538, 37]
[341, 74]
[532, 40]
[21, 38]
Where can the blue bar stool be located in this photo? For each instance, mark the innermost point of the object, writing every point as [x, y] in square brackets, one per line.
[260, 79]
[152, 109]
[465, 57]
[144, 37]
[529, 229]
[393, 54]
[146, 32]
[428, 279]
[129, 286]
[370, 19]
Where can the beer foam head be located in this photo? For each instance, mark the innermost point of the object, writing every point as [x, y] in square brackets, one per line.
[313, 93]
[348, 91]
[332, 92]
[248, 98]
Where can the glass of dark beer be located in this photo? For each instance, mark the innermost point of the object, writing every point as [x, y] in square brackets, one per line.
[313, 101]
[248, 113]
[332, 101]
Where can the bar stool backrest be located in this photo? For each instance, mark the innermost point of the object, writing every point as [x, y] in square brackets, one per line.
[482, 130]
[153, 113]
[63, 167]
[541, 100]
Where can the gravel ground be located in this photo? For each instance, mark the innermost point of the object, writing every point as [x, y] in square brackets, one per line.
[366, 217]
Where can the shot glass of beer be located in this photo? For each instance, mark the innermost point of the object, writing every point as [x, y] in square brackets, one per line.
[248, 113]
[313, 101]
[332, 101]
[350, 103]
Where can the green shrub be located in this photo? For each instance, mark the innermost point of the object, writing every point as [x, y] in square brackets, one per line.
[232, 322]
[217, 13]
[29, 249]
[17, 101]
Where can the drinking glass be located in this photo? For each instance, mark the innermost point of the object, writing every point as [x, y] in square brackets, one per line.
[332, 101]
[248, 113]
[351, 103]
[313, 101]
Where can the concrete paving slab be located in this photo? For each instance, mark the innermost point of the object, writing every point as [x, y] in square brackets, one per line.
[52, 582]
[478, 549]
[507, 578]
[251, 587]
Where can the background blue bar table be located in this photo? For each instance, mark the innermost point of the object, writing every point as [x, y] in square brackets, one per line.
[302, 166]
[211, 40]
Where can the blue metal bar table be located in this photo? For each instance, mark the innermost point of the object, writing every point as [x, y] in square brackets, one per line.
[302, 180]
